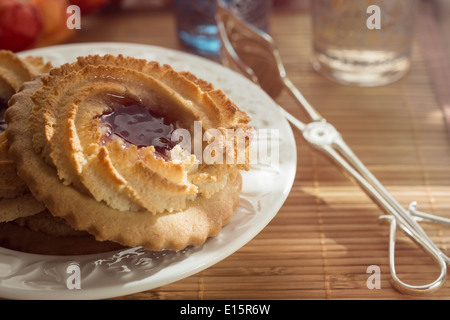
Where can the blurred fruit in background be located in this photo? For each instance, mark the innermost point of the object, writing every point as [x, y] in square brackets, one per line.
[21, 24]
[88, 6]
[54, 17]
[25, 24]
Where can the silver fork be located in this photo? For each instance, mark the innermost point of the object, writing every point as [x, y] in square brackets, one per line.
[253, 53]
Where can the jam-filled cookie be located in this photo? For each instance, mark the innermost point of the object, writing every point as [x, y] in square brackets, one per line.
[131, 151]
[15, 199]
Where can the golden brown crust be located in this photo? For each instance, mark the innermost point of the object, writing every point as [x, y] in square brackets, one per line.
[20, 206]
[15, 199]
[126, 195]
[14, 71]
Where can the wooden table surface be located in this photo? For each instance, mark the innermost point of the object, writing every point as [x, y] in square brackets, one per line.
[327, 234]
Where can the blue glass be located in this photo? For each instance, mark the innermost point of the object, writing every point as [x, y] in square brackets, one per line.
[196, 25]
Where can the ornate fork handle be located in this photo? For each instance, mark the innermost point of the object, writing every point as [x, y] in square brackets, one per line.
[327, 139]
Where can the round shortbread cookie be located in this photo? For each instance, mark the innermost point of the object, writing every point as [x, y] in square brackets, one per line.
[200, 218]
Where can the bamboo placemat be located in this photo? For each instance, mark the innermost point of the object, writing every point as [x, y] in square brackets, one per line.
[327, 234]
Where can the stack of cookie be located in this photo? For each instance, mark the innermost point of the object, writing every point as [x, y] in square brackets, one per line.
[25, 222]
[15, 199]
[88, 156]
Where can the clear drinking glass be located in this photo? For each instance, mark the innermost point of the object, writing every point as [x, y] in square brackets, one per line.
[196, 26]
[363, 42]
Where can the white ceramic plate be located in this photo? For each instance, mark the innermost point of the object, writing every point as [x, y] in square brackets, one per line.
[112, 274]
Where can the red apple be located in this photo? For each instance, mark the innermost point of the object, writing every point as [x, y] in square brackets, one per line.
[21, 25]
[88, 6]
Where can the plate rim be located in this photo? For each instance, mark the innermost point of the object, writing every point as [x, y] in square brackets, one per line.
[142, 284]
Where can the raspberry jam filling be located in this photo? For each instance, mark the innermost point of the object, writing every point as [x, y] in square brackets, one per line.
[3, 107]
[135, 124]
